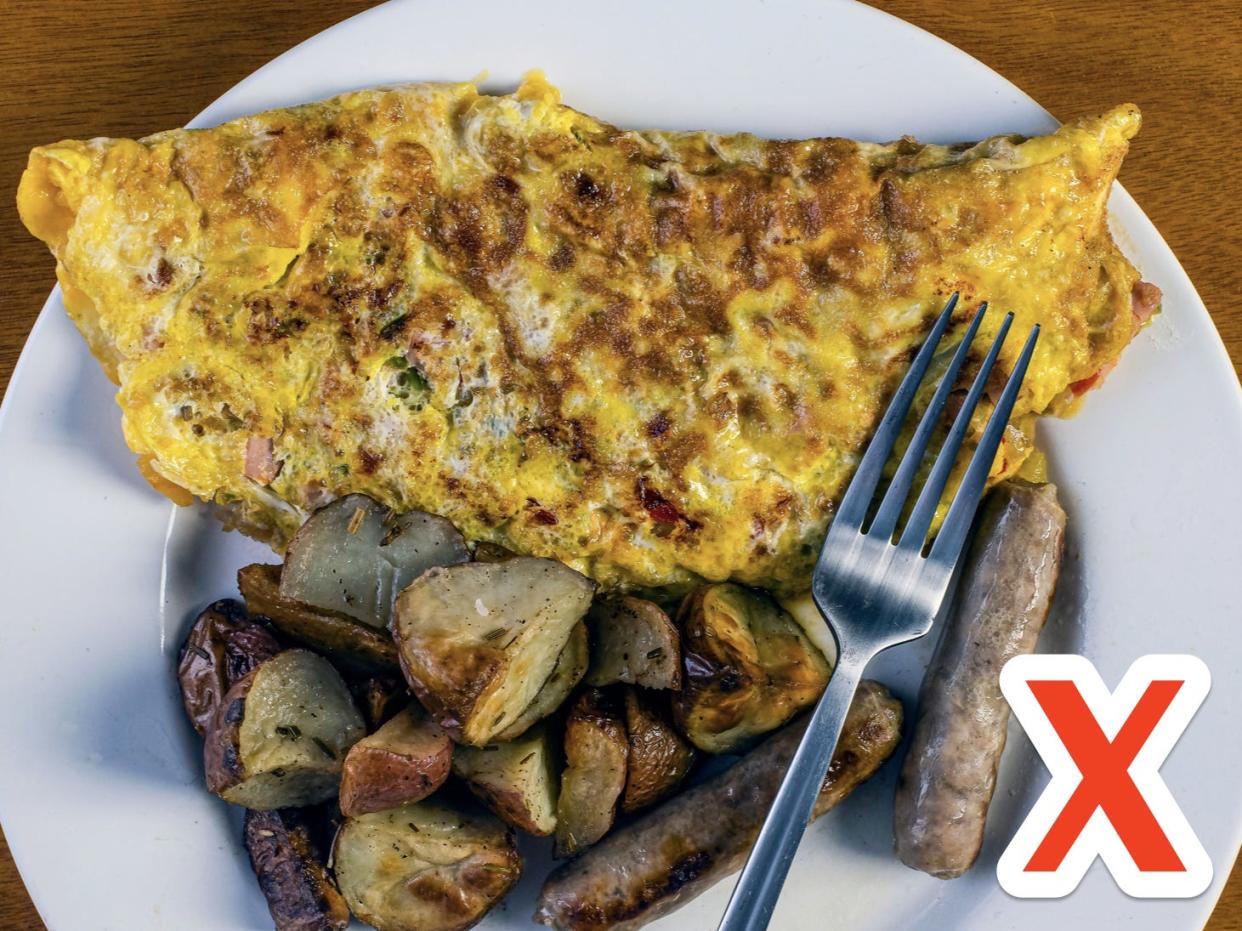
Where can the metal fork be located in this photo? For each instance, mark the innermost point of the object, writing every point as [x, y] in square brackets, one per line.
[876, 592]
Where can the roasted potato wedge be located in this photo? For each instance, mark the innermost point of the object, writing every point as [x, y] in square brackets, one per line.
[659, 757]
[570, 667]
[347, 641]
[290, 868]
[634, 642]
[404, 761]
[379, 698]
[748, 666]
[279, 737]
[223, 645]
[477, 641]
[353, 556]
[424, 867]
[517, 780]
[596, 752]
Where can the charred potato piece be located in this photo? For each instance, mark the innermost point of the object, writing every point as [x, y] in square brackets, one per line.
[570, 667]
[287, 862]
[424, 867]
[596, 754]
[354, 555]
[633, 641]
[379, 698]
[477, 641]
[223, 645]
[404, 761]
[517, 780]
[659, 757]
[279, 737]
[749, 668]
[350, 642]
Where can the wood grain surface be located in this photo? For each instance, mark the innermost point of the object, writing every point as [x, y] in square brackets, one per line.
[80, 68]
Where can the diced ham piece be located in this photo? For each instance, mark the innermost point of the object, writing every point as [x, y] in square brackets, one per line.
[1145, 298]
[261, 465]
[1086, 384]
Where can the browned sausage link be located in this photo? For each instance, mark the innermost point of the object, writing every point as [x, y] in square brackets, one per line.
[949, 773]
[287, 862]
[678, 850]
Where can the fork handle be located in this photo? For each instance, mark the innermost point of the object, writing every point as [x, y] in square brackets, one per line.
[754, 897]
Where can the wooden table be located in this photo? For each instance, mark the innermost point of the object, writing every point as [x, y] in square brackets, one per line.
[127, 68]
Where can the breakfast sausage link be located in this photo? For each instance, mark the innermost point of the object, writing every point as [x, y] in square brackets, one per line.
[949, 773]
[672, 854]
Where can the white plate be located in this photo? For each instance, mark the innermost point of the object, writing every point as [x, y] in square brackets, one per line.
[100, 788]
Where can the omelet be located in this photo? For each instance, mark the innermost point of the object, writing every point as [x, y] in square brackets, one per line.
[655, 356]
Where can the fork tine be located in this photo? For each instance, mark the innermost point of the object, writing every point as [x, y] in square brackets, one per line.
[929, 498]
[952, 535]
[858, 495]
[886, 518]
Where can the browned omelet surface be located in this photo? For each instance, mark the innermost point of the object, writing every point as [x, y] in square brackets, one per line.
[653, 355]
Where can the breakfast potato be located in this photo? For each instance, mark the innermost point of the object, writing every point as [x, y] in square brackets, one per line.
[570, 667]
[659, 757]
[300, 893]
[517, 780]
[634, 642]
[347, 641]
[477, 641]
[404, 761]
[279, 737]
[748, 666]
[379, 698]
[424, 867]
[354, 555]
[223, 645]
[596, 753]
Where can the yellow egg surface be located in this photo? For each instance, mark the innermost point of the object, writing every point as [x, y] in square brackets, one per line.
[656, 356]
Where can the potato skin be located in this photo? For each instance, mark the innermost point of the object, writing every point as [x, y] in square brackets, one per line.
[290, 869]
[223, 645]
[404, 761]
[596, 751]
[379, 698]
[748, 667]
[221, 758]
[633, 642]
[659, 757]
[491, 552]
[346, 641]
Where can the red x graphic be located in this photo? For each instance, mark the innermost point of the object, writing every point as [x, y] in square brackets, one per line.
[1106, 781]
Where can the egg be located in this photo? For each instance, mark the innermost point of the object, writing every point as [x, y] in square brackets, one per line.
[655, 356]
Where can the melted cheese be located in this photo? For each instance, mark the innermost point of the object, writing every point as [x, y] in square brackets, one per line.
[653, 355]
